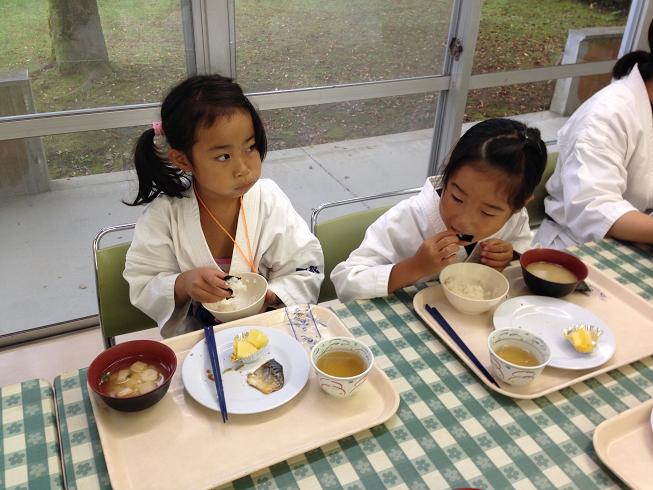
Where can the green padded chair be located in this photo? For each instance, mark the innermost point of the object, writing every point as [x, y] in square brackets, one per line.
[340, 236]
[535, 208]
[117, 315]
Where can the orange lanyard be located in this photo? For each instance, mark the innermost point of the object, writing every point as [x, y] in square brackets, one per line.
[250, 259]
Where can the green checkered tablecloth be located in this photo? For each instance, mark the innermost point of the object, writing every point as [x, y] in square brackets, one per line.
[29, 443]
[449, 431]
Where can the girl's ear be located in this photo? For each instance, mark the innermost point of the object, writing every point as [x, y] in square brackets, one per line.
[179, 160]
[528, 199]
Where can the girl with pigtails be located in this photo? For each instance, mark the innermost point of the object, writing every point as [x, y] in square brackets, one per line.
[208, 212]
[473, 211]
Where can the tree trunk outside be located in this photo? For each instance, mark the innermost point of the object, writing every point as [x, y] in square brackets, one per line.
[76, 35]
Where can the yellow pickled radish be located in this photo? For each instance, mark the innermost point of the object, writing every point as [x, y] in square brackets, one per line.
[581, 340]
[257, 338]
[242, 348]
[247, 344]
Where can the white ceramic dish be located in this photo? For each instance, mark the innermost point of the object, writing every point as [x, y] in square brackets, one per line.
[547, 318]
[242, 398]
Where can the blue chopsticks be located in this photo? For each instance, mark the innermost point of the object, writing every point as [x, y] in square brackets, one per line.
[209, 335]
[454, 336]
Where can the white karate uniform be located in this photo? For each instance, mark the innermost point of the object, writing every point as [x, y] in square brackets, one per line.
[397, 235]
[168, 240]
[605, 165]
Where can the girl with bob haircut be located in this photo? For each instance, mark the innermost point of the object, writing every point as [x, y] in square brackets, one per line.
[208, 212]
[475, 209]
[603, 182]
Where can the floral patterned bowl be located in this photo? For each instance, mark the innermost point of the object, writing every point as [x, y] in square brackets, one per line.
[341, 387]
[516, 374]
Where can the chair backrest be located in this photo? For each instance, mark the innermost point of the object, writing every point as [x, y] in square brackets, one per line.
[535, 208]
[340, 236]
[117, 315]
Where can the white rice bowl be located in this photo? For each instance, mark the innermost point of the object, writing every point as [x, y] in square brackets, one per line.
[473, 288]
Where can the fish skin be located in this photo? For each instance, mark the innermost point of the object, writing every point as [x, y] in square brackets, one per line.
[267, 378]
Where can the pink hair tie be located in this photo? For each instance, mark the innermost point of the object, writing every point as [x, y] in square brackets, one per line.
[157, 126]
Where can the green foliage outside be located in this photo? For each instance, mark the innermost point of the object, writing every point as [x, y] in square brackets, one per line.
[288, 44]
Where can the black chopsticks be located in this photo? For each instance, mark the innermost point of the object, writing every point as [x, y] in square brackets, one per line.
[209, 335]
[454, 336]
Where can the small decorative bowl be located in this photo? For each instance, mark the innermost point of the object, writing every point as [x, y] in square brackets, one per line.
[594, 334]
[148, 351]
[516, 374]
[341, 387]
[549, 288]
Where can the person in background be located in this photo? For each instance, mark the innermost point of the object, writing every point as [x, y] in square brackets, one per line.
[603, 182]
[209, 214]
[492, 173]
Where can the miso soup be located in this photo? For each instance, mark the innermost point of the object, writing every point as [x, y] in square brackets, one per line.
[131, 379]
[517, 355]
[341, 363]
[552, 272]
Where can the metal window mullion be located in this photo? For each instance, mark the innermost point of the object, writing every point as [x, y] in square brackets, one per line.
[636, 33]
[450, 111]
[220, 37]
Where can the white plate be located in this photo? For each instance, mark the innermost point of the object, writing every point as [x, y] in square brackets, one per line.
[242, 398]
[548, 317]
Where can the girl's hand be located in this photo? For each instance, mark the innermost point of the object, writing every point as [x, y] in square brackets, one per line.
[270, 299]
[204, 284]
[431, 257]
[496, 253]
[437, 252]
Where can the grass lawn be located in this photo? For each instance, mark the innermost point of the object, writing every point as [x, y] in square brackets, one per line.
[286, 44]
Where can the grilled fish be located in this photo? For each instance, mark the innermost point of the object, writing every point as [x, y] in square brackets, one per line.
[268, 378]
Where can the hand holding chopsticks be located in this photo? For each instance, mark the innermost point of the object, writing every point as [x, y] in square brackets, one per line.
[459, 342]
[209, 335]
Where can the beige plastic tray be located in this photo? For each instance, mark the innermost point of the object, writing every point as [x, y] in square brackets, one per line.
[629, 316]
[625, 445]
[180, 444]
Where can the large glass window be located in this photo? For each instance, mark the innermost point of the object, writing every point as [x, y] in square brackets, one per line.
[305, 43]
[516, 35]
[92, 53]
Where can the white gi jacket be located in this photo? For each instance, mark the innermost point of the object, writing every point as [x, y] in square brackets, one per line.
[168, 240]
[605, 165]
[397, 235]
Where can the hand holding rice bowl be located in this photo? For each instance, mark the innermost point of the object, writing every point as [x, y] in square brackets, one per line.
[473, 288]
[247, 300]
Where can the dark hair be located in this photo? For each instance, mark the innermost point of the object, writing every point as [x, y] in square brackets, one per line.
[505, 145]
[196, 102]
[643, 59]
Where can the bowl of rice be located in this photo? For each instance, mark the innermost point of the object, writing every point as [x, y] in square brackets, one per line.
[247, 299]
[473, 288]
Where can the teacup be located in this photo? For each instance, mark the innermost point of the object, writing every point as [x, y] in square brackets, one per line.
[341, 386]
[510, 372]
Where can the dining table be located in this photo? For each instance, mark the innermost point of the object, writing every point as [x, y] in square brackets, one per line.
[449, 431]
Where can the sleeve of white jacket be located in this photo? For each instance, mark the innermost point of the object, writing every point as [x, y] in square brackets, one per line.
[294, 257]
[392, 238]
[521, 235]
[151, 269]
[595, 178]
